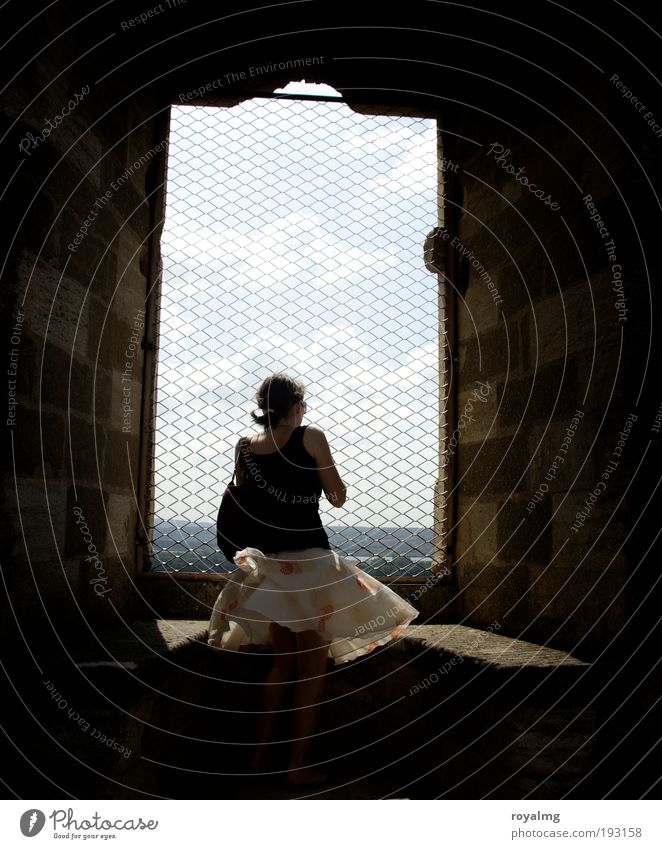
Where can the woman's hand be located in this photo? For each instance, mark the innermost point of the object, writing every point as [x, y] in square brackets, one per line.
[315, 443]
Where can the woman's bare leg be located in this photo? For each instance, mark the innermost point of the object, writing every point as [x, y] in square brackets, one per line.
[282, 673]
[312, 652]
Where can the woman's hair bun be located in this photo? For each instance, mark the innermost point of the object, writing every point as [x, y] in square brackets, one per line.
[275, 397]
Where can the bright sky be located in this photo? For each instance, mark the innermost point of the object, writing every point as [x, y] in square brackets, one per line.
[293, 242]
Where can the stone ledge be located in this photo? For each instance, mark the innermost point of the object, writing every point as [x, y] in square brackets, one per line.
[143, 641]
[486, 648]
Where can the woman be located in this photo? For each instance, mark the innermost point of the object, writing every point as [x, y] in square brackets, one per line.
[300, 597]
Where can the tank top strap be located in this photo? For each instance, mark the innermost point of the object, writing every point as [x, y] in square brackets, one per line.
[244, 446]
[297, 438]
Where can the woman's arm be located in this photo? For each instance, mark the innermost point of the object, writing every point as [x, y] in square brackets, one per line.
[315, 443]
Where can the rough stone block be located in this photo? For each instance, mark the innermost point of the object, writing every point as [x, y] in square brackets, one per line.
[581, 604]
[94, 260]
[477, 530]
[551, 390]
[129, 250]
[488, 354]
[38, 442]
[479, 310]
[62, 381]
[54, 303]
[607, 522]
[44, 371]
[576, 320]
[38, 520]
[85, 444]
[591, 512]
[121, 449]
[122, 523]
[492, 593]
[561, 454]
[476, 414]
[81, 386]
[103, 398]
[524, 535]
[109, 335]
[492, 467]
[105, 273]
[90, 522]
[126, 396]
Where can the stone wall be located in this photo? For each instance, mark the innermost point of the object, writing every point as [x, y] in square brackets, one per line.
[551, 347]
[554, 408]
[75, 282]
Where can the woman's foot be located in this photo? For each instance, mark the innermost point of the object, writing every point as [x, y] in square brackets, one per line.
[306, 777]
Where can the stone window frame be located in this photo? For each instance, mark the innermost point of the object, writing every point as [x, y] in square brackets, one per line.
[443, 264]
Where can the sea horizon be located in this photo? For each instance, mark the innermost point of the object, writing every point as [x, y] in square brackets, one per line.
[182, 545]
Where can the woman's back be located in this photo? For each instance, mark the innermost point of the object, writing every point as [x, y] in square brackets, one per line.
[289, 489]
[287, 466]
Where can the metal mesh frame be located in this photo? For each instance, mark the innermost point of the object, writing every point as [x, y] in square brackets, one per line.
[293, 242]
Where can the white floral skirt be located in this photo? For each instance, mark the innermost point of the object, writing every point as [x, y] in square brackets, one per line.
[312, 589]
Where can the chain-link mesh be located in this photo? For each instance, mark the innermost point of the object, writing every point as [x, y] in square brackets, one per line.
[293, 242]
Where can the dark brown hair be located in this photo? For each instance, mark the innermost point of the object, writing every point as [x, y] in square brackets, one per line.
[275, 397]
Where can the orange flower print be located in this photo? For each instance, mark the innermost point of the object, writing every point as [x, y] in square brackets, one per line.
[397, 631]
[326, 611]
[288, 568]
[371, 647]
[363, 584]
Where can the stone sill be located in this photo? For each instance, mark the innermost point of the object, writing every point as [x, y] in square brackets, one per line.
[146, 639]
[486, 648]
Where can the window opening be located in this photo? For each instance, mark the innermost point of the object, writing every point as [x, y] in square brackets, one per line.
[293, 242]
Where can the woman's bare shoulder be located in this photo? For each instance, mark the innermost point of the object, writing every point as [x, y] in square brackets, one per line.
[314, 435]
[315, 442]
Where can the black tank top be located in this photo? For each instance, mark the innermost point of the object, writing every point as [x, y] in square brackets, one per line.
[289, 487]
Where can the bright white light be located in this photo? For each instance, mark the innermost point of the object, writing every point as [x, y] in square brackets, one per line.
[302, 87]
[293, 242]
